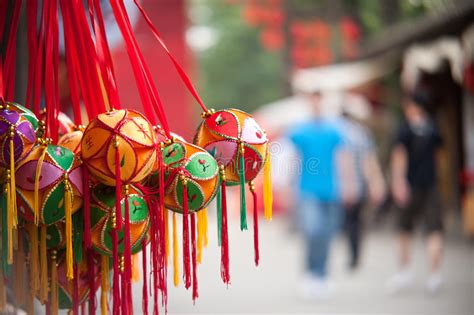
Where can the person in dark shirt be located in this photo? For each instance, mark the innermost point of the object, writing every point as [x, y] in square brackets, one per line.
[414, 190]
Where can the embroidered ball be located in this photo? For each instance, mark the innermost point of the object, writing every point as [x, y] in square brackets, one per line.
[72, 141]
[198, 167]
[225, 133]
[16, 124]
[66, 287]
[130, 133]
[103, 211]
[60, 170]
[65, 124]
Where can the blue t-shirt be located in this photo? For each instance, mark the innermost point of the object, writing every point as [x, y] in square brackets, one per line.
[317, 142]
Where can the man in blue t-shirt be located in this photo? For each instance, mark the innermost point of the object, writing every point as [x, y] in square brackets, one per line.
[323, 162]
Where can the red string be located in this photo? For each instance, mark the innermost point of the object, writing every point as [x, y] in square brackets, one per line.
[31, 21]
[91, 280]
[10, 56]
[179, 69]
[255, 228]
[75, 76]
[39, 64]
[118, 190]
[193, 246]
[116, 277]
[103, 53]
[186, 258]
[147, 90]
[162, 210]
[127, 278]
[225, 274]
[144, 271]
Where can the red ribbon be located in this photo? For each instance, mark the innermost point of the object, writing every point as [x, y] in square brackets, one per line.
[179, 69]
[148, 94]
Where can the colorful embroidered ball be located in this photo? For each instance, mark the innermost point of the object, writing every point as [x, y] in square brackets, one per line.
[132, 134]
[65, 124]
[66, 287]
[102, 215]
[15, 124]
[183, 160]
[225, 133]
[72, 141]
[60, 169]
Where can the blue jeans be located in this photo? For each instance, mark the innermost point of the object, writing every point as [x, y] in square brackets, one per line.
[319, 222]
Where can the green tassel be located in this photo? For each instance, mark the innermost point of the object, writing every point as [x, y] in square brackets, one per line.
[243, 205]
[219, 216]
[77, 238]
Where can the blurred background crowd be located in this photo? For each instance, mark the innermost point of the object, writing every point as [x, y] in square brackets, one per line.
[370, 109]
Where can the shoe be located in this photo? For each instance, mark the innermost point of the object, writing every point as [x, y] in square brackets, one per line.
[400, 281]
[434, 283]
[314, 287]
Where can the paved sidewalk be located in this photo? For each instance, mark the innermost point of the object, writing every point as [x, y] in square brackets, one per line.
[274, 286]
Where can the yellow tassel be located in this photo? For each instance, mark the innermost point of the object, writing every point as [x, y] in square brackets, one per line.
[167, 237]
[19, 283]
[36, 188]
[199, 236]
[3, 293]
[104, 284]
[267, 189]
[34, 271]
[54, 306]
[13, 184]
[43, 290]
[175, 253]
[135, 270]
[9, 225]
[30, 307]
[204, 232]
[68, 215]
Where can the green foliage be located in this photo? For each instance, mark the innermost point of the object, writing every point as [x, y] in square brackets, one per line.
[237, 71]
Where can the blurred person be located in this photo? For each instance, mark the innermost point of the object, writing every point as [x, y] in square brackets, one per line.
[414, 190]
[319, 144]
[368, 180]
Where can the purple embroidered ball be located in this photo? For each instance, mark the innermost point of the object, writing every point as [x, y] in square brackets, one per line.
[17, 131]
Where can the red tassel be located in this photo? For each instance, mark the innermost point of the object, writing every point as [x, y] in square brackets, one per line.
[193, 244]
[225, 275]
[116, 277]
[186, 258]
[163, 267]
[154, 254]
[255, 225]
[127, 276]
[87, 210]
[91, 280]
[75, 294]
[118, 186]
[145, 287]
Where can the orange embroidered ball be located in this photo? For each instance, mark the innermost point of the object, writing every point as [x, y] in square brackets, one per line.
[234, 137]
[123, 135]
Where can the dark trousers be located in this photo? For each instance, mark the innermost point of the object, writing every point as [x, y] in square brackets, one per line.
[353, 229]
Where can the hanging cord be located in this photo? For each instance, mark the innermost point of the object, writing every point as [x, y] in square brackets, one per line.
[178, 67]
[225, 274]
[147, 90]
[255, 223]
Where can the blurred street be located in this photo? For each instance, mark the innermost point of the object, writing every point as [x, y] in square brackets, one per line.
[274, 286]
